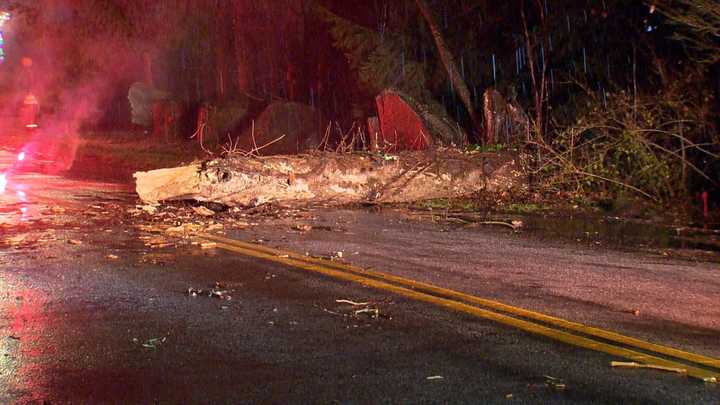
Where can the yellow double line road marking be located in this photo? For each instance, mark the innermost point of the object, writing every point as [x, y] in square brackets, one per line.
[696, 365]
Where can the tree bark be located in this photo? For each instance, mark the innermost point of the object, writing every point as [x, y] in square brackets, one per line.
[448, 61]
[331, 178]
[147, 69]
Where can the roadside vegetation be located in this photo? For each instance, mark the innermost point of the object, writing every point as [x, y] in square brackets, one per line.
[611, 105]
[655, 139]
[116, 155]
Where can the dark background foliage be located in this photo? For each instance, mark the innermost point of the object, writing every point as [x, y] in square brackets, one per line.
[658, 59]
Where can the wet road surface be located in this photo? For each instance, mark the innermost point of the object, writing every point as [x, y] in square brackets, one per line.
[92, 310]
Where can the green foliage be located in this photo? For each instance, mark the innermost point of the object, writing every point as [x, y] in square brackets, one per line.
[651, 145]
[660, 144]
[497, 147]
[526, 208]
[381, 70]
[381, 61]
[449, 204]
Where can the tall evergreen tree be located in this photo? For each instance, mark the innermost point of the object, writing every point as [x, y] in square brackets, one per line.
[380, 60]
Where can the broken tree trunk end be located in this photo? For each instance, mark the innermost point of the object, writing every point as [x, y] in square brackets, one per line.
[332, 178]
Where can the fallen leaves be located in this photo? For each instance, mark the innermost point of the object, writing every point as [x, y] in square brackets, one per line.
[14, 241]
[158, 259]
[26, 240]
[219, 291]
[184, 229]
[152, 343]
[149, 228]
[148, 208]
[554, 383]
[156, 242]
[302, 227]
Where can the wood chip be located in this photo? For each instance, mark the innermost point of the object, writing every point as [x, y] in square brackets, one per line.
[302, 227]
[15, 240]
[204, 211]
[214, 227]
[353, 303]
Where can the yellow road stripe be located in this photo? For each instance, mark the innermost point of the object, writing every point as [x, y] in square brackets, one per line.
[360, 276]
[574, 326]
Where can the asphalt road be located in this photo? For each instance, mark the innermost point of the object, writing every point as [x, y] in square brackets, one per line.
[93, 310]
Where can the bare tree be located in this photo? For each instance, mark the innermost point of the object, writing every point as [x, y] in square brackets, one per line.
[539, 78]
[698, 22]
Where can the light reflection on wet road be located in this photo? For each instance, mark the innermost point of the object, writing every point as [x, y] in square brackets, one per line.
[78, 327]
[29, 324]
[28, 194]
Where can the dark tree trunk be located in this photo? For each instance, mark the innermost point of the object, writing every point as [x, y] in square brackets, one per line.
[448, 61]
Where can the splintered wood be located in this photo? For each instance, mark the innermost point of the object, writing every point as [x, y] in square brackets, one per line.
[332, 178]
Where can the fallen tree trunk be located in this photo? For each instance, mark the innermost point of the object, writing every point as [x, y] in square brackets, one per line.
[333, 178]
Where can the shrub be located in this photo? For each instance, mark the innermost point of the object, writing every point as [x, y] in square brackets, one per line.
[656, 146]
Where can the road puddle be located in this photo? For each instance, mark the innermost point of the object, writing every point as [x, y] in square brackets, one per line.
[617, 232]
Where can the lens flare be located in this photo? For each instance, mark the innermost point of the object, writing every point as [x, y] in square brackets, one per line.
[21, 156]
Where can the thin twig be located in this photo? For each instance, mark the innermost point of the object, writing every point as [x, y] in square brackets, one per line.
[257, 149]
[353, 303]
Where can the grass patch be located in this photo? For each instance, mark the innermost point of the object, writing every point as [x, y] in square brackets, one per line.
[523, 208]
[448, 204]
[137, 151]
[491, 148]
